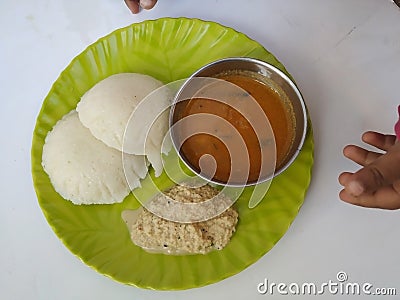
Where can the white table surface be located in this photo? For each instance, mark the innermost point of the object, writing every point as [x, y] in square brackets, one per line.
[345, 57]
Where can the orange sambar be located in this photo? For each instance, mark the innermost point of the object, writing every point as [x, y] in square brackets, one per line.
[246, 110]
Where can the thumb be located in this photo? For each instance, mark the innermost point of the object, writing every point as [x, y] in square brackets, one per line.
[148, 4]
[382, 172]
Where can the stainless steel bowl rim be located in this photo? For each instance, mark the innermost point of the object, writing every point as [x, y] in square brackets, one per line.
[267, 66]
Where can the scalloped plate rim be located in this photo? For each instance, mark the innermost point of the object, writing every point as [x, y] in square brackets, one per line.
[34, 161]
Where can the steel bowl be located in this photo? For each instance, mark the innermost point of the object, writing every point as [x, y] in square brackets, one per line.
[265, 71]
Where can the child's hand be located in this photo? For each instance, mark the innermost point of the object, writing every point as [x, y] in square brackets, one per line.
[135, 5]
[377, 184]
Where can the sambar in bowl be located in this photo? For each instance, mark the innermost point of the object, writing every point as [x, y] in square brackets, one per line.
[238, 122]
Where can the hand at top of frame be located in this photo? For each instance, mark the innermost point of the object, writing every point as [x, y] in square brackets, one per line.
[135, 5]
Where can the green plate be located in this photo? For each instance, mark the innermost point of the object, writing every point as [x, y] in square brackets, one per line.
[167, 49]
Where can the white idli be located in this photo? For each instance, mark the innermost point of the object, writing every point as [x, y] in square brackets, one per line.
[146, 136]
[83, 169]
[106, 109]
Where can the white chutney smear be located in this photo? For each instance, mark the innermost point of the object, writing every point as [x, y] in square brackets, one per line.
[158, 235]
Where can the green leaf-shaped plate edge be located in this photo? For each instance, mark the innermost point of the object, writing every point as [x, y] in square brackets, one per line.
[167, 49]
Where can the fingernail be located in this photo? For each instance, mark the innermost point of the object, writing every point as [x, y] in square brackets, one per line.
[146, 3]
[355, 188]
